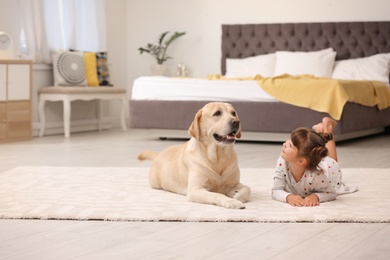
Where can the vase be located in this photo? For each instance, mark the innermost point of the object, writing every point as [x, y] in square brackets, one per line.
[159, 69]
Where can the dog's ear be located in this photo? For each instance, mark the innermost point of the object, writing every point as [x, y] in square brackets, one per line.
[194, 129]
[238, 135]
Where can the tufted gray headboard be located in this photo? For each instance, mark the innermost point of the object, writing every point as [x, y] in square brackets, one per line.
[348, 39]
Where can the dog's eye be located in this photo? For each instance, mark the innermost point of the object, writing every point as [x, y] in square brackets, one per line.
[234, 113]
[218, 113]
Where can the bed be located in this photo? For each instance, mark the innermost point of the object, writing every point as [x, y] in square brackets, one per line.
[262, 119]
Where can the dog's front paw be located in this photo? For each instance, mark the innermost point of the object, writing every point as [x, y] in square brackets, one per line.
[233, 204]
[242, 194]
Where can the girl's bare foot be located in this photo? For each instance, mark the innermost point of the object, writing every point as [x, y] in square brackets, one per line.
[319, 128]
[328, 125]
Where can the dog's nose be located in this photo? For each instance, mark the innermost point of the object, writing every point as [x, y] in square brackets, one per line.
[236, 123]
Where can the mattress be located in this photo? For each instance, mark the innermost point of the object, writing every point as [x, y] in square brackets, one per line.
[196, 89]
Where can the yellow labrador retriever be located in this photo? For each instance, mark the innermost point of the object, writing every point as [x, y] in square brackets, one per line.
[205, 168]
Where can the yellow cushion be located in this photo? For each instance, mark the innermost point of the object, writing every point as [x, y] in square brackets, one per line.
[90, 69]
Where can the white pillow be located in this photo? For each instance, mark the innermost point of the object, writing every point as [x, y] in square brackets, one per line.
[317, 63]
[69, 68]
[249, 67]
[375, 67]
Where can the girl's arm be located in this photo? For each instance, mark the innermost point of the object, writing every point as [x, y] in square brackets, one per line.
[325, 187]
[278, 189]
[325, 190]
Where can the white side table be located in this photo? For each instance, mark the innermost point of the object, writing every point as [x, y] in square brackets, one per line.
[69, 94]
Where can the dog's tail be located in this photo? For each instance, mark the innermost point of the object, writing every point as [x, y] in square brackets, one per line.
[147, 155]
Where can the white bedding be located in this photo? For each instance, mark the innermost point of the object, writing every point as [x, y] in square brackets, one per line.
[166, 88]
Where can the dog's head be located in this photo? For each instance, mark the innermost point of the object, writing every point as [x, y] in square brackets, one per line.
[217, 121]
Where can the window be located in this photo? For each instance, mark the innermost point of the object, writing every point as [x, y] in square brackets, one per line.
[49, 25]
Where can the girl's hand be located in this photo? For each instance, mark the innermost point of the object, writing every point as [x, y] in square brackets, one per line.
[295, 200]
[311, 200]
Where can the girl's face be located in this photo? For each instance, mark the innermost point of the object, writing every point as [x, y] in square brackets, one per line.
[289, 152]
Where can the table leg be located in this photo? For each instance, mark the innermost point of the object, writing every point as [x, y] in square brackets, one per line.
[67, 112]
[99, 114]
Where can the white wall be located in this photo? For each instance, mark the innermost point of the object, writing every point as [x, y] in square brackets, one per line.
[202, 19]
[9, 22]
[117, 49]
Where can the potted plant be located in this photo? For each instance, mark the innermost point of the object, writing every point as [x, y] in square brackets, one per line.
[159, 50]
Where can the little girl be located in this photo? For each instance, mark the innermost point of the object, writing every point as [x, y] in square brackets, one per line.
[307, 171]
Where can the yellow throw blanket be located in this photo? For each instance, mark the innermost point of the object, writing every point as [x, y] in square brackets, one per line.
[322, 94]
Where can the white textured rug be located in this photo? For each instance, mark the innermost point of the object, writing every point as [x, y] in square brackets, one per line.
[87, 193]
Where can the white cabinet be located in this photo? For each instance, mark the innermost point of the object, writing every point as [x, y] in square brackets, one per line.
[19, 82]
[15, 100]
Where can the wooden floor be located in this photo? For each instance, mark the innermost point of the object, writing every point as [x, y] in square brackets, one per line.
[49, 239]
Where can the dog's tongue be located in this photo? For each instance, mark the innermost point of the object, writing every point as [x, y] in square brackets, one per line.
[230, 136]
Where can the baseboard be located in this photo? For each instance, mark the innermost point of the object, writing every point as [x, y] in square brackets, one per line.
[55, 128]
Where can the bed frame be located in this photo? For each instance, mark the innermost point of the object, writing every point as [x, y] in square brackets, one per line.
[273, 121]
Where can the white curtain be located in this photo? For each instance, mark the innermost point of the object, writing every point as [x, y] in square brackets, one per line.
[49, 25]
[33, 44]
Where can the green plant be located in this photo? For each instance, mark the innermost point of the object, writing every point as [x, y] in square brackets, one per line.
[159, 52]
